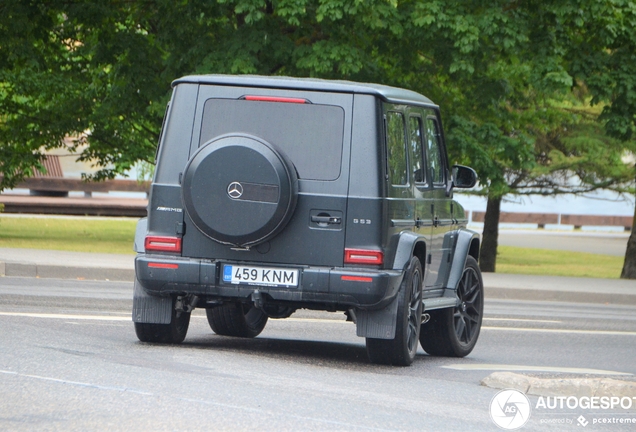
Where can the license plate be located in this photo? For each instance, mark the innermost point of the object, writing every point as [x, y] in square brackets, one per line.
[269, 276]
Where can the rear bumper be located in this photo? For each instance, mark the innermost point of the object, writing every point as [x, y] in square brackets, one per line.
[355, 287]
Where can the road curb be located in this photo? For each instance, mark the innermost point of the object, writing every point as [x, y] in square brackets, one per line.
[559, 296]
[66, 272]
[577, 387]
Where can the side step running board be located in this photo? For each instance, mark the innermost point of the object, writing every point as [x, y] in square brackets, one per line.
[439, 303]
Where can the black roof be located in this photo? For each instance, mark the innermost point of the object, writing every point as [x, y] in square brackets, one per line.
[387, 93]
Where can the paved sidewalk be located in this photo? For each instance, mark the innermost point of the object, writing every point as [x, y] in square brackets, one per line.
[559, 288]
[79, 265]
[66, 265]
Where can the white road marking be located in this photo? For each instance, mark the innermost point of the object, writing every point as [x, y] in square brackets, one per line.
[128, 318]
[113, 324]
[66, 316]
[521, 320]
[318, 320]
[311, 320]
[75, 383]
[504, 367]
[567, 331]
[347, 426]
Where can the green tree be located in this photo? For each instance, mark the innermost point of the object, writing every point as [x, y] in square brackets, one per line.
[598, 40]
[100, 71]
[629, 265]
[503, 72]
[509, 74]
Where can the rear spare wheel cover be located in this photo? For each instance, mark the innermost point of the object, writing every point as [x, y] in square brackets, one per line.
[239, 190]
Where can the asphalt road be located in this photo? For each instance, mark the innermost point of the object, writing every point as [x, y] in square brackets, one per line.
[69, 360]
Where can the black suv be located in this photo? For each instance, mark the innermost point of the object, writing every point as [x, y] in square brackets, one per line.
[273, 194]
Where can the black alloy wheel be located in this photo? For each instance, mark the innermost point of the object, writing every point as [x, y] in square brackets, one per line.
[414, 311]
[453, 332]
[467, 314]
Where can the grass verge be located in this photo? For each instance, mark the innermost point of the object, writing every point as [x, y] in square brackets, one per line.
[117, 235]
[72, 234]
[557, 263]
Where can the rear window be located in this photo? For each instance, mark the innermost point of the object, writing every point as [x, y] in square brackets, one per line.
[310, 135]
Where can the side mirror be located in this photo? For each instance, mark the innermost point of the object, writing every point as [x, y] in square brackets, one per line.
[464, 177]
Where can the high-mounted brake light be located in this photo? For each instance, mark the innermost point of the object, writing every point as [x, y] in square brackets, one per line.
[163, 244]
[275, 99]
[363, 256]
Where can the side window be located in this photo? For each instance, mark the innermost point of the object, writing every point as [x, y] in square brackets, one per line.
[163, 126]
[417, 164]
[434, 152]
[396, 148]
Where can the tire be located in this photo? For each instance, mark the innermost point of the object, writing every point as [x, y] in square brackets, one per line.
[173, 333]
[453, 332]
[236, 319]
[239, 190]
[401, 350]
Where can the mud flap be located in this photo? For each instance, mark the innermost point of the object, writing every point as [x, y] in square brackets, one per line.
[378, 324]
[150, 309]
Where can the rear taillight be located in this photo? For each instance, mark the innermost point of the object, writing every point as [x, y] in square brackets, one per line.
[275, 99]
[363, 256]
[163, 265]
[163, 244]
[356, 278]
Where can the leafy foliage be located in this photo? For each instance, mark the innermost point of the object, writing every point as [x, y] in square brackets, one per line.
[531, 90]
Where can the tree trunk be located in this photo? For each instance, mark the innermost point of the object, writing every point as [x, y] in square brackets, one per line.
[488, 253]
[629, 266]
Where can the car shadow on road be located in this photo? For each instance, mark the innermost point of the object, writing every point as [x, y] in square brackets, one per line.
[325, 353]
[301, 351]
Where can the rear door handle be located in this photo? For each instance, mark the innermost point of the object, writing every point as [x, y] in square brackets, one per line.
[327, 219]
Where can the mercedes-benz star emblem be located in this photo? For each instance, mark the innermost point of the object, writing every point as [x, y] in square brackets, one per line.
[235, 190]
